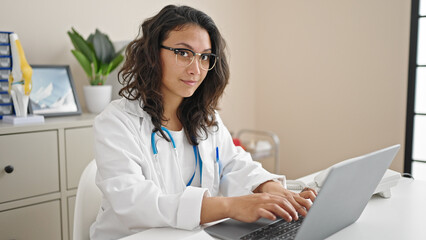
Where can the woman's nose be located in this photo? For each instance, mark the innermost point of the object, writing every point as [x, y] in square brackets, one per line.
[194, 67]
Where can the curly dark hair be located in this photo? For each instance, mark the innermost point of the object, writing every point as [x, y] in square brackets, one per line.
[142, 73]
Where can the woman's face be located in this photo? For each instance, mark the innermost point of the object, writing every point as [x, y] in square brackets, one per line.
[178, 81]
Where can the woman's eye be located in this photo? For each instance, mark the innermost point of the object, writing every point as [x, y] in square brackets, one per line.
[205, 57]
[183, 53]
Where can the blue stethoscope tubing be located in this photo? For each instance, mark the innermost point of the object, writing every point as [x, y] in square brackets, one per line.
[197, 155]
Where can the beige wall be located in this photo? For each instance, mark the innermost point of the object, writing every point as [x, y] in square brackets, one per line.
[328, 76]
[332, 78]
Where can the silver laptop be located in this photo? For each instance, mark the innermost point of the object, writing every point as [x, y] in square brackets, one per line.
[340, 202]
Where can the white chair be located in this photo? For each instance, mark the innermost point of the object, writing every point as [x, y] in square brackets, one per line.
[87, 203]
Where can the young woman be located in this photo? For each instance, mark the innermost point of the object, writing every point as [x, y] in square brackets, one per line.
[164, 156]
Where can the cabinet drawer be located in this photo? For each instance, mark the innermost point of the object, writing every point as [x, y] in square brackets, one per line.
[34, 157]
[79, 152]
[71, 206]
[40, 221]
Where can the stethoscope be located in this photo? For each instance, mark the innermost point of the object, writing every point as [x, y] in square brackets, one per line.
[198, 161]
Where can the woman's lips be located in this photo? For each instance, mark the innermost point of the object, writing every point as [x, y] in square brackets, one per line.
[189, 82]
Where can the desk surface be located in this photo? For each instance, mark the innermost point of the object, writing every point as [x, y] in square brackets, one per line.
[403, 216]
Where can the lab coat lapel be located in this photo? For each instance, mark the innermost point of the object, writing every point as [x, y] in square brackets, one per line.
[207, 153]
[146, 128]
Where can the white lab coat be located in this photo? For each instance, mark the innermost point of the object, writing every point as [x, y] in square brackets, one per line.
[133, 199]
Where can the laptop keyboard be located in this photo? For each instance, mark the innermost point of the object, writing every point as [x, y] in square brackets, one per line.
[280, 230]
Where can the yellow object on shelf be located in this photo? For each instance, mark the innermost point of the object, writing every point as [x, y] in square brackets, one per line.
[22, 73]
[20, 83]
[27, 71]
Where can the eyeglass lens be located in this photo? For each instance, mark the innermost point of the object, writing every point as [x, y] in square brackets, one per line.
[184, 58]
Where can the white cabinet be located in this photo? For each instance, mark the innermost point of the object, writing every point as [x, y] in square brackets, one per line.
[40, 166]
[71, 206]
[78, 145]
[34, 159]
[39, 221]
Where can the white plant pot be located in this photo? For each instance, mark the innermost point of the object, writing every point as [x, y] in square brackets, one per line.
[97, 97]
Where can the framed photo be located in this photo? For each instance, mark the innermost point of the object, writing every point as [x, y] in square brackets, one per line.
[53, 92]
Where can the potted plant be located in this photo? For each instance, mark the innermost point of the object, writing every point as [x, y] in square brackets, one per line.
[98, 58]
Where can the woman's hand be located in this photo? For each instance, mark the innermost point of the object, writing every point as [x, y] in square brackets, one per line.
[269, 200]
[248, 208]
[300, 201]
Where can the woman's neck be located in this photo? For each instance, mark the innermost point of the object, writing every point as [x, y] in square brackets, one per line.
[170, 114]
[173, 124]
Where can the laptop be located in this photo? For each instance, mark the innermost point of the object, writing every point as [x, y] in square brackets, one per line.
[345, 193]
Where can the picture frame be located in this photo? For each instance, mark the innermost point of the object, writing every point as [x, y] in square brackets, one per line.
[53, 93]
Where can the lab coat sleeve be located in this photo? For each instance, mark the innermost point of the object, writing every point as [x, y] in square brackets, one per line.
[241, 175]
[136, 201]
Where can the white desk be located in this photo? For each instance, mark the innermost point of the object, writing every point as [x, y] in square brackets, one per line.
[403, 216]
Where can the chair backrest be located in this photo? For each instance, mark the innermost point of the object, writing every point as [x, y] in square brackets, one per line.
[87, 204]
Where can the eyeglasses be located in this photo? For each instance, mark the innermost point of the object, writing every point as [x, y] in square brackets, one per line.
[185, 57]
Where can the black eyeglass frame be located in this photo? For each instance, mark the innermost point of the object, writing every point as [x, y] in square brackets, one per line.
[176, 50]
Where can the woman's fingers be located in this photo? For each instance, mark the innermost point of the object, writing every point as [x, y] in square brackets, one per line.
[266, 214]
[310, 190]
[279, 211]
[289, 207]
[289, 202]
[308, 195]
[299, 204]
[252, 207]
[306, 203]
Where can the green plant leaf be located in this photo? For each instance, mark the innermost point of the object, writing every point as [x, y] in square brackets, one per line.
[84, 62]
[80, 44]
[115, 62]
[104, 69]
[103, 47]
[95, 63]
[96, 55]
[90, 38]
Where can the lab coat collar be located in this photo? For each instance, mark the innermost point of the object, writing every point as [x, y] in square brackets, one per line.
[134, 107]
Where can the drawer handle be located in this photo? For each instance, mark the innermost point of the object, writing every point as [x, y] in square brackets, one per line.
[8, 169]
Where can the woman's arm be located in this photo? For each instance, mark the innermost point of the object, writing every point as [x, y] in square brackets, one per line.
[127, 179]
